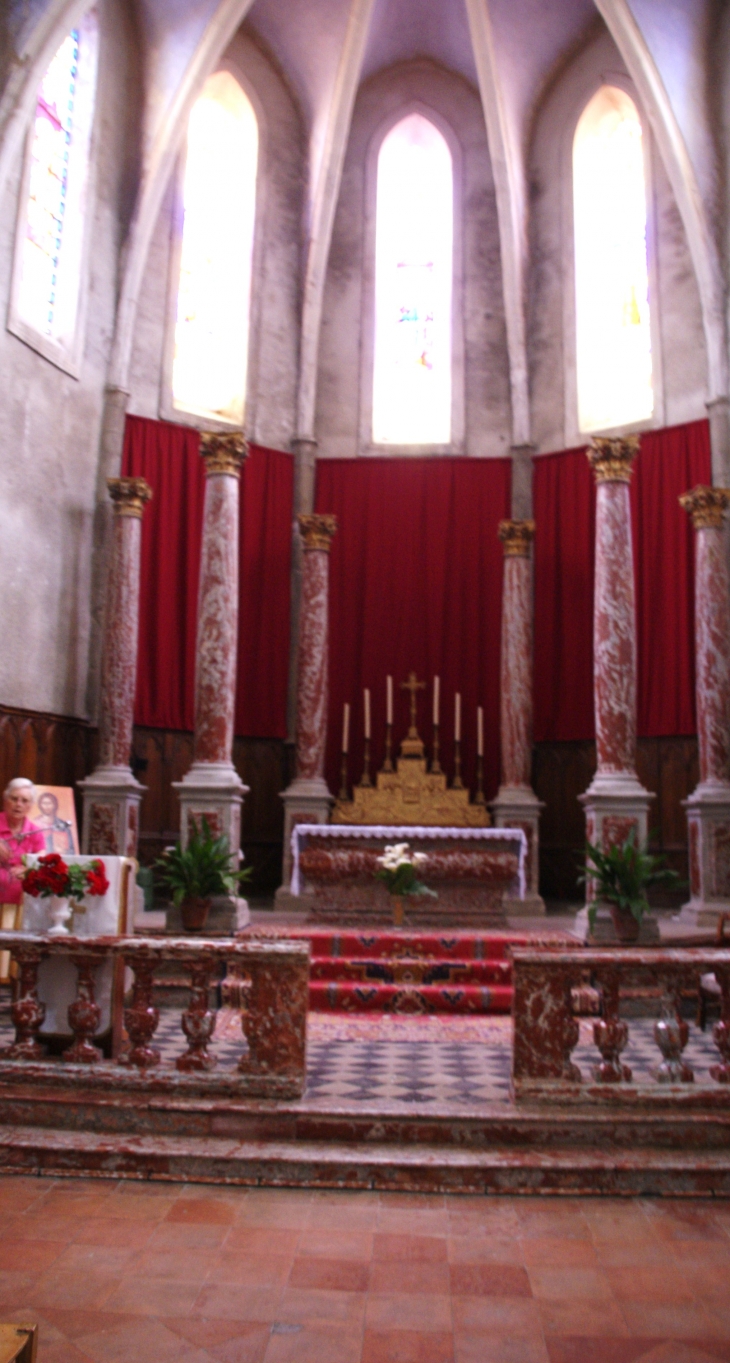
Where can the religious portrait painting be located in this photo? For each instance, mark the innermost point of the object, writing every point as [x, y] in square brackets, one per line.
[54, 812]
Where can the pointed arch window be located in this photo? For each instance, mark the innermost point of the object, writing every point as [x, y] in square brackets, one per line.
[412, 380]
[46, 297]
[214, 288]
[613, 325]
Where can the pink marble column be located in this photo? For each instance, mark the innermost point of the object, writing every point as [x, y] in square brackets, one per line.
[307, 799]
[112, 794]
[615, 802]
[212, 788]
[708, 808]
[516, 805]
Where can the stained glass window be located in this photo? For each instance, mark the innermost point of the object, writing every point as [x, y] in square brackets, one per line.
[219, 198]
[413, 286]
[613, 330]
[52, 239]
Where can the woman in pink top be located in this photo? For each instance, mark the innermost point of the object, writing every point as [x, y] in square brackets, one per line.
[18, 836]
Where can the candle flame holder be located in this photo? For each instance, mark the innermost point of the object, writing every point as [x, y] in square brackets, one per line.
[435, 764]
[457, 783]
[479, 797]
[365, 778]
[388, 763]
[343, 795]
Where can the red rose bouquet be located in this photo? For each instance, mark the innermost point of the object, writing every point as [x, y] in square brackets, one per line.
[53, 876]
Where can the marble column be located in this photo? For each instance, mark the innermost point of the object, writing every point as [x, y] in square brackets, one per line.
[112, 794]
[615, 802]
[517, 805]
[307, 799]
[212, 788]
[708, 808]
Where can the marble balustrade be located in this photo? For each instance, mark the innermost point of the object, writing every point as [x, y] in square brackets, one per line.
[272, 1063]
[546, 1030]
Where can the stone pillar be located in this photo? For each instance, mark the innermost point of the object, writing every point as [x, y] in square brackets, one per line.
[517, 805]
[615, 801]
[522, 456]
[305, 463]
[708, 808]
[212, 788]
[112, 794]
[307, 799]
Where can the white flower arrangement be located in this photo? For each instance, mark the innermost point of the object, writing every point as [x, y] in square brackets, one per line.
[398, 866]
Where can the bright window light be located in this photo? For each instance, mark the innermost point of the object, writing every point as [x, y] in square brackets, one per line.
[611, 278]
[51, 245]
[219, 195]
[413, 283]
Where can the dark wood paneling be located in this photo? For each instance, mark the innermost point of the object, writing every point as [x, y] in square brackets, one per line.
[54, 750]
[563, 771]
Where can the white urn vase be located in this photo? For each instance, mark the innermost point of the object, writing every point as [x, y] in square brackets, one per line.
[60, 911]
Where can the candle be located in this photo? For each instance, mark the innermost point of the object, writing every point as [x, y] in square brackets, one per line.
[345, 728]
[389, 699]
[436, 684]
[457, 717]
[480, 731]
[366, 697]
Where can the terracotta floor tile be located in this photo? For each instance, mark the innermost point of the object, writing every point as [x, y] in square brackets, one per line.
[408, 1311]
[481, 1348]
[224, 1340]
[551, 1222]
[238, 1269]
[34, 1225]
[137, 1206]
[82, 1205]
[182, 1264]
[578, 1349]
[685, 1221]
[61, 1351]
[584, 1318]
[335, 1244]
[425, 1249]
[486, 1249]
[73, 1288]
[314, 1344]
[137, 1342]
[175, 1234]
[407, 1346]
[343, 1275]
[281, 1215]
[489, 1280]
[340, 1197]
[98, 1259]
[662, 1282]
[153, 1297]
[413, 1202]
[625, 1253]
[314, 1306]
[680, 1320]
[395, 1221]
[343, 1217]
[31, 1257]
[569, 1285]
[75, 1323]
[262, 1240]
[514, 1316]
[486, 1216]
[258, 1304]
[200, 1211]
[100, 1231]
[547, 1251]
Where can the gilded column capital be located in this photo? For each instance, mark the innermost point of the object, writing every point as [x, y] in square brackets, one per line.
[223, 452]
[317, 531]
[706, 506]
[516, 537]
[612, 457]
[129, 495]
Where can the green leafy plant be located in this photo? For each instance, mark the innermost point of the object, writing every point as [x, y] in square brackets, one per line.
[623, 874]
[398, 868]
[200, 870]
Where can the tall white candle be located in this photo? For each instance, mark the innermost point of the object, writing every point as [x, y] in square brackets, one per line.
[366, 697]
[345, 728]
[389, 699]
[457, 717]
[480, 731]
[436, 687]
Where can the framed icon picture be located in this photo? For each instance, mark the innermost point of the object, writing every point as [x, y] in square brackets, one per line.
[54, 812]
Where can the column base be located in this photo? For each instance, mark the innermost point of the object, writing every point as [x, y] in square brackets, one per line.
[110, 821]
[708, 825]
[306, 800]
[604, 932]
[519, 807]
[615, 803]
[213, 791]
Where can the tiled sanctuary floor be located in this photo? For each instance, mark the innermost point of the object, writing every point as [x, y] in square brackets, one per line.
[131, 1273]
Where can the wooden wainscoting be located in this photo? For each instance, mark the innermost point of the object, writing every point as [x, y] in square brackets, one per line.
[563, 771]
[55, 750]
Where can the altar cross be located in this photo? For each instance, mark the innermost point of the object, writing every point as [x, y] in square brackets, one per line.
[413, 686]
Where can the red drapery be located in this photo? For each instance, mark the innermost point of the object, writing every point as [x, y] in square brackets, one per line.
[670, 462]
[416, 583]
[168, 457]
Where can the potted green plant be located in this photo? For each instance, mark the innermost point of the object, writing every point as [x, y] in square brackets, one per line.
[398, 867]
[193, 874]
[621, 877]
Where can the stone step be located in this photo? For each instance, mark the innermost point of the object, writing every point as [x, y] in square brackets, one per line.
[378, 996]
[409, 971]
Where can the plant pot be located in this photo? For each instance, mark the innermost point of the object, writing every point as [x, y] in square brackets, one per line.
[194, 913]
[626, 926]
[397, 910]
[60, 911]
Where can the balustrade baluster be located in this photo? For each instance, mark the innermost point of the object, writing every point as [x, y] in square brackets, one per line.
[671, 1034]
[611, 1034]
[27, 1010]
[198, 1021]
[274, 1021]
[84, 1014]
[721, 1030]
[141, 1017]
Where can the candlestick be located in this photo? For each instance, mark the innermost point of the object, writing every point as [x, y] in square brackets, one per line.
[345, 728]
[343, 795]
[479, 797]
[389, 700]
[480, 731]
[458, 783]
[388, 764]
[457, 717]
[366, 698]
[436, 690]
[436, 765]
[365, 781]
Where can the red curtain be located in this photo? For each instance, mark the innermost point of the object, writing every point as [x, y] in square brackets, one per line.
[670, 462]
[415, 583]
[168, 457]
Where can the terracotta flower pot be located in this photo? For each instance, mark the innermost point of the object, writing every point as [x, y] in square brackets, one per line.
[627, 927]
[194, 913]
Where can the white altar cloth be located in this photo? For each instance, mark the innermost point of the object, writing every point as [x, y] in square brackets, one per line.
[402, 833]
